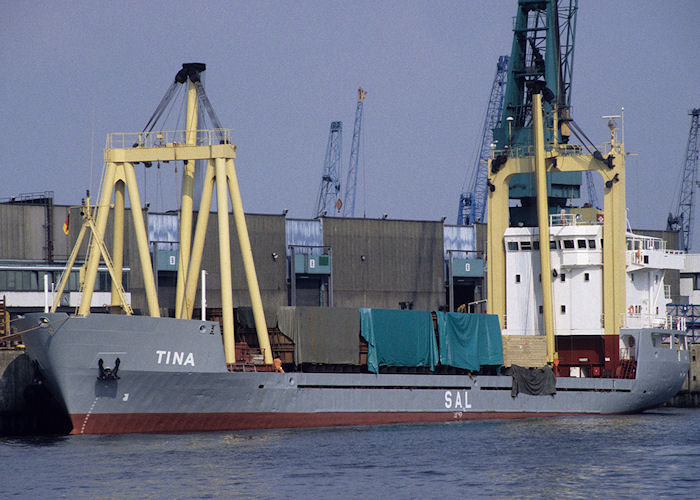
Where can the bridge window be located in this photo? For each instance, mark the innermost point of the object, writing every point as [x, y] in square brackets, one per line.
[525, 245]
[591, 243]
[581, 243]
[513, 246]
[568, 243]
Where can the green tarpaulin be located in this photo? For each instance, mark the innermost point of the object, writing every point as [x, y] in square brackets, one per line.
[398, 338]
[469, 341]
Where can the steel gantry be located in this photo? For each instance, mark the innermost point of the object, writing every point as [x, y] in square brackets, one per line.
[328, 200]
[351, 182]
[681, 219]
[472, 203]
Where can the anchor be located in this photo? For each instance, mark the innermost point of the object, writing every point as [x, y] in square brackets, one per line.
[108, 373]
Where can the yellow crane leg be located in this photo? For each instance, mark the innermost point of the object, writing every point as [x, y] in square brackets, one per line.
[225, 261]
[149, 283]
[93, 260]
[69, 265]
[117, 244]
[248, 265]
[543, 222]
[185, 235]
[186, 203]
[198, 242]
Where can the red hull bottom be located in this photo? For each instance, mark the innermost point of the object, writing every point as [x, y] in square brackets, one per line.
[122, 423]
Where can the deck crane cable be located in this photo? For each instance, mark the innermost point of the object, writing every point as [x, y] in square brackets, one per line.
[164, 102]
[176, 98]
[192, 73]
[209, 109]
[596, 152]
[576, 131]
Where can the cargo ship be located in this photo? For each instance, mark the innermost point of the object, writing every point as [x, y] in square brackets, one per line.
[615, 352]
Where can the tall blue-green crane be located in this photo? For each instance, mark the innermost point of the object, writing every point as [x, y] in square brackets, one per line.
[541, 60]
[541, 57]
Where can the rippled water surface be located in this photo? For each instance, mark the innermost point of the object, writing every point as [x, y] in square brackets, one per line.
[651, 455]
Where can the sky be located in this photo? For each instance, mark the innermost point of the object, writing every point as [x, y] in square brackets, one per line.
[279, 72]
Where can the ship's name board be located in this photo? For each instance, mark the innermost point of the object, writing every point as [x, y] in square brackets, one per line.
[457, 399]
[175, 358]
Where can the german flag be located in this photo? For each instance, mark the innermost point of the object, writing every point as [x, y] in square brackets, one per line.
[66, 228]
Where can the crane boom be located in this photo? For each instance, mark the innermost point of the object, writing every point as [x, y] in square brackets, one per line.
[351, 182]
[682, 221]
[328, 197]
[472, 204]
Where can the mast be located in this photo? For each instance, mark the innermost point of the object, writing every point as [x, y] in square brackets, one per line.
[193, 75]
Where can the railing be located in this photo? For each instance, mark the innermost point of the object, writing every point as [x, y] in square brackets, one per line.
[160, 139]
[40, 196]
[567, 219]
[562, 150]
[691, 316]
[636, 242]
[647, 320]
[563, 220]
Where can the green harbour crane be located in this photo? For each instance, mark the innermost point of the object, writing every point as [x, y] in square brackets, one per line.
[541, 60]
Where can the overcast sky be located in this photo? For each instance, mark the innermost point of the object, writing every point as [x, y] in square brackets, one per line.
[279, 72]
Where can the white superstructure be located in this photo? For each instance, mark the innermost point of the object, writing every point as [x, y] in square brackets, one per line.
[577, 279]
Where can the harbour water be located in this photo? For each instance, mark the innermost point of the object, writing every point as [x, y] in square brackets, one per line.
[650, 455]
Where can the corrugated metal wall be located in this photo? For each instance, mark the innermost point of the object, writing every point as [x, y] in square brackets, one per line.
[267, 239]
[22, 234]
[381, 263]
[376, 263]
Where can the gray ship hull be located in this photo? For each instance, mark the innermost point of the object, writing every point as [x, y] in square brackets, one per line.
[172, 377]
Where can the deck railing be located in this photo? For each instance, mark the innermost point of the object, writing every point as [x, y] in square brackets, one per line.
[164, 138]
